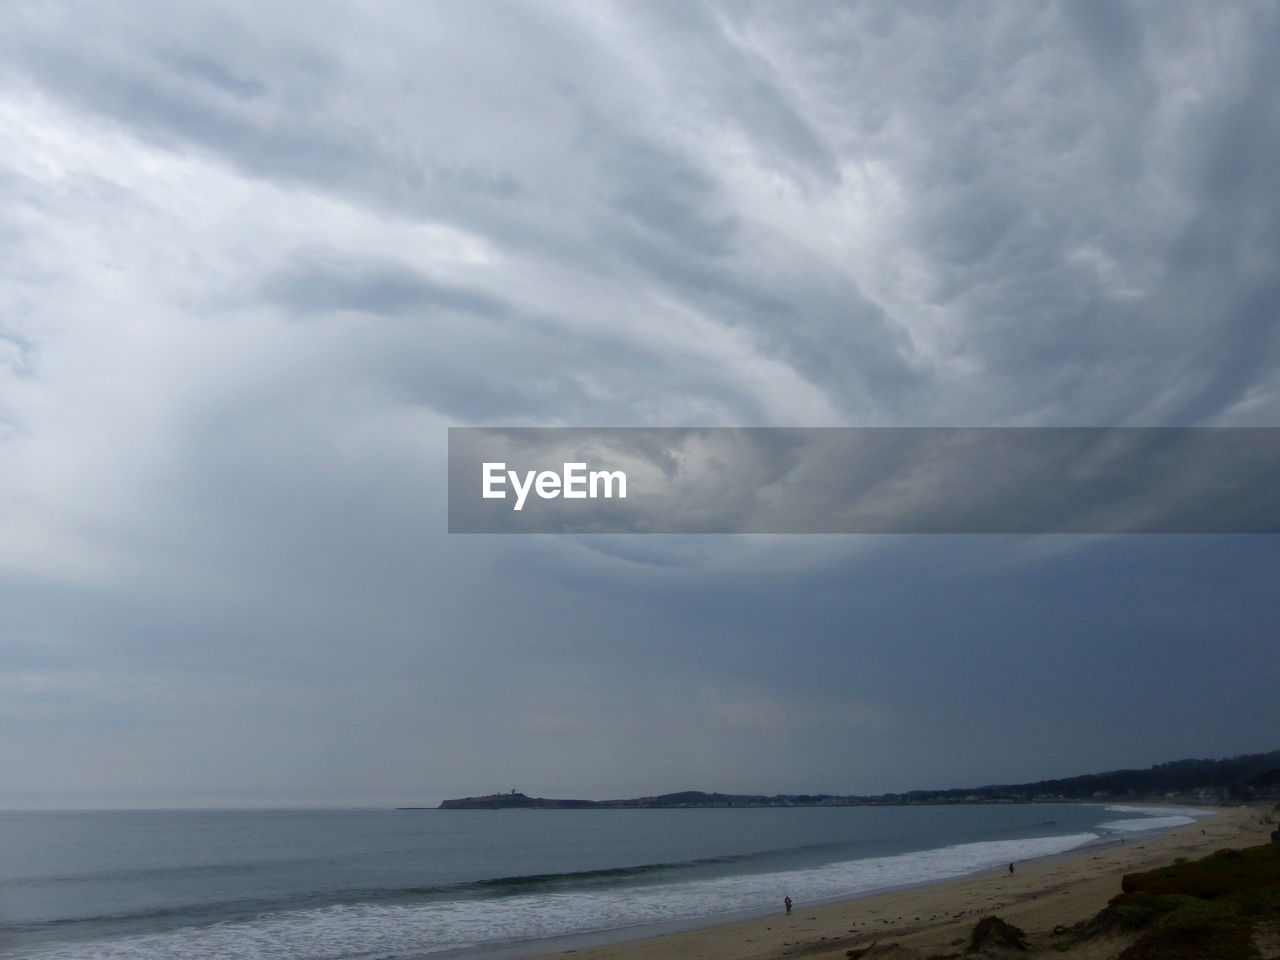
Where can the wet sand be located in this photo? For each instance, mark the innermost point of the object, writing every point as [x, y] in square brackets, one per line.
[936, 919]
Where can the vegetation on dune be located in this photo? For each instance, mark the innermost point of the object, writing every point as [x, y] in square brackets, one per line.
[1216, 907]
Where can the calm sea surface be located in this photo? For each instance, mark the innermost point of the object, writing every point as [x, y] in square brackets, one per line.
[346, 884]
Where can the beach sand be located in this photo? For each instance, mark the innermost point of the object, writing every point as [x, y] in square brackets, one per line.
[936, 920]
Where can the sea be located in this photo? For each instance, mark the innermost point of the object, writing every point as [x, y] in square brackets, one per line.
[405, 884]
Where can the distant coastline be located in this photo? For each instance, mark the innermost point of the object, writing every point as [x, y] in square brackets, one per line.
[1241, 779]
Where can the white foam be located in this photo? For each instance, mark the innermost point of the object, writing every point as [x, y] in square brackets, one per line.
[1154, 818]
[1160, 811]
[1145, 823]
[352, 931]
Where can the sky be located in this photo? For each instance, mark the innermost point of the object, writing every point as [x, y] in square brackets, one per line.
[260, 256]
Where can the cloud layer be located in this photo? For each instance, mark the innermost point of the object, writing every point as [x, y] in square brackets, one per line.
[259, 256]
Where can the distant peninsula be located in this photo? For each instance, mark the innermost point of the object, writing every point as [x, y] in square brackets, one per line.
[1238, 779]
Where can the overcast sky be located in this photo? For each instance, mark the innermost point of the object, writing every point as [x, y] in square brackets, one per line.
[259, 256]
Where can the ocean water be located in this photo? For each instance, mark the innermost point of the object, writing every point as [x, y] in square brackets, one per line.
[365, 884]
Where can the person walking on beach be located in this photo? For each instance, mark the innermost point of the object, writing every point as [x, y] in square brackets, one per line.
[1011, 869]
[786, 902]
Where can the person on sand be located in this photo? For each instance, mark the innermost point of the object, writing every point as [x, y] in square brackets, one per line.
[786, 902]
[1011, 869]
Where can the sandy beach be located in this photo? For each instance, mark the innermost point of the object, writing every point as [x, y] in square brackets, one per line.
[936, 920]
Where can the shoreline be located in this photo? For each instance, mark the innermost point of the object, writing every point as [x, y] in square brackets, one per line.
[927, 919]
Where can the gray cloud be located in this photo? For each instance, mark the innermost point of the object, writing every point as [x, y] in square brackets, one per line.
[260, 258]
[315, 285]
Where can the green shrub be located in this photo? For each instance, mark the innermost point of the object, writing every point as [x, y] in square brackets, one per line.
[1190, 910]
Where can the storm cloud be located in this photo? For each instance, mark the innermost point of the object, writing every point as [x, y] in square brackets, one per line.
[259, 257]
